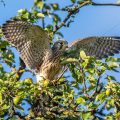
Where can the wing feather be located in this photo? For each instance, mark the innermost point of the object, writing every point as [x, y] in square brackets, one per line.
[100, 47]
[31, 41]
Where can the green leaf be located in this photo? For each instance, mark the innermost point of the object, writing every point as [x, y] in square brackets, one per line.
[26, 15]
[41, 15]
[113, 64]
[73, 1]
[108, 91]
[22, 11]
[6, 106]
[49, 28]
[103, 69]
[3, 44]
[111, 102]
[16, 100]
[111, 78]
[1, 98]
[80, 100]
[60, 34]
[86, 116]
[55, 6]
[112, 59]
[109, 118]
[83, 55]
[56, 19]
[69, 60]
[101, 97]
[40, 4]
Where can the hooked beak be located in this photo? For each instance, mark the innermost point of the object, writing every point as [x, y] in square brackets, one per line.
[66, 44]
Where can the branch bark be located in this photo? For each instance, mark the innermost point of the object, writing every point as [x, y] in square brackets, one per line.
[104, 4]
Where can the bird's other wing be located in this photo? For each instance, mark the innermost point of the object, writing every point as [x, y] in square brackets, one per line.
[99, 47]
[30, 40]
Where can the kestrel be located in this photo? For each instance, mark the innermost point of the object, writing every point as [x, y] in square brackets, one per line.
[34, 46]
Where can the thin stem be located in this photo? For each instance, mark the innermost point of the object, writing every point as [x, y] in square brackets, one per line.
[62, 74]
[98, 81]
[43, 21]
[97, 85]
[84, 81]
[69, 15]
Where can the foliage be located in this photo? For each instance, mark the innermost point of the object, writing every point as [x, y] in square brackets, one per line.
[91, 94]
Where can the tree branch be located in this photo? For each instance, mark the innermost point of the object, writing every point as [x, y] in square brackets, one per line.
[97, 85]
[104, 4]
[76, 8]
[62, 73]
[70, 13]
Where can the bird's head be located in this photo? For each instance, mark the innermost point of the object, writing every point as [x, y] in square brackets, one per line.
[60, 46]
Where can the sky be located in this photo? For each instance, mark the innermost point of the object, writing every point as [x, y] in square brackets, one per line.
[90, 21]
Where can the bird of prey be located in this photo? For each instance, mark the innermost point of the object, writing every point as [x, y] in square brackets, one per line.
[34, 46]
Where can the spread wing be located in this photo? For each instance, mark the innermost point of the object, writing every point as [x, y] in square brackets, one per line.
[100, 47]
[31, 41]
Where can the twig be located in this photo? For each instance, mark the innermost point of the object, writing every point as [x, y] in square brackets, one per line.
[69, 15]
[97, 85]
[98, 81]
[62, 73]
[43, 20]
[84, 83]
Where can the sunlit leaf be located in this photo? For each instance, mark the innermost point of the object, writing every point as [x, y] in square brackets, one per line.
[16, 100]
[40, 4]
[41, 15]
[80, 100]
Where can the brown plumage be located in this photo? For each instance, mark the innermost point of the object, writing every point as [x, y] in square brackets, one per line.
[99, 47]
[33, 44]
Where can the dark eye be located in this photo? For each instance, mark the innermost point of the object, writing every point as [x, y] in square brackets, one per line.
[60, 44]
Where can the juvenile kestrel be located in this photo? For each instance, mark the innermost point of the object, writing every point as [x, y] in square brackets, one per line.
[34, 46]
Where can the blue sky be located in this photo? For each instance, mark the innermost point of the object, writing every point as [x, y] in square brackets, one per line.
[91, 20]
